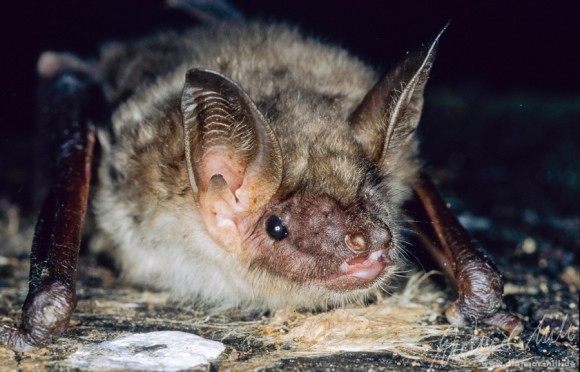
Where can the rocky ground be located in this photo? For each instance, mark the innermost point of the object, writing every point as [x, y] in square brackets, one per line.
[508, 164]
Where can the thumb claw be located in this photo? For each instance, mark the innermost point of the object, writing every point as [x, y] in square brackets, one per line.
[506, 321]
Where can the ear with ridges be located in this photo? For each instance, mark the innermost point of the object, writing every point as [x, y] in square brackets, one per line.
[233, 157]
[389, 114]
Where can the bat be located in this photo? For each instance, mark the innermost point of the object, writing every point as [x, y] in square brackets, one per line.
[243, 164]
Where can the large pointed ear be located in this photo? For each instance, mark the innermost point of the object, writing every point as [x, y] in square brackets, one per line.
[233, 157]
[388, 115]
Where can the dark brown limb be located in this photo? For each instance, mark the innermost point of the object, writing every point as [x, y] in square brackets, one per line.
[55, 248]
[52, 295]
[476, 279]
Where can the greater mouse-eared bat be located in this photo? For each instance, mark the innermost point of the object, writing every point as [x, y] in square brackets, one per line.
[242, 164]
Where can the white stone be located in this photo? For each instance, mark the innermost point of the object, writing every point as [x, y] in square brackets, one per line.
[167, 351]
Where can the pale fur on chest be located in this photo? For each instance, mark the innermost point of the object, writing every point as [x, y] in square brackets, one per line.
[146, 212]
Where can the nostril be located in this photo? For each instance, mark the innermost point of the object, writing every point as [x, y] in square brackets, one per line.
[356, 242]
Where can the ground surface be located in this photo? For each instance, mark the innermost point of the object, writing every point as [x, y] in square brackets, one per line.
[508, 165]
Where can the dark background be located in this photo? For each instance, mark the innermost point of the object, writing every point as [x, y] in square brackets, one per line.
[504, 45]
[492, 52]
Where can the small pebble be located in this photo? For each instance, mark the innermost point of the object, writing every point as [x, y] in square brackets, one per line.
[167, 351]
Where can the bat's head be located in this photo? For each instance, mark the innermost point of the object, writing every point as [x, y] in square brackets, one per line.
[314, 218]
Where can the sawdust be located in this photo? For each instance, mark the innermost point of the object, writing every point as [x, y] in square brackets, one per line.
[409, 324]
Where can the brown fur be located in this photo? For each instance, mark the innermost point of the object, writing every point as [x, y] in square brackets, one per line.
[158, 220]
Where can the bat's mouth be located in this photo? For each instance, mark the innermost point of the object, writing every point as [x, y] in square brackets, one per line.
[359, 272]
[367, 267]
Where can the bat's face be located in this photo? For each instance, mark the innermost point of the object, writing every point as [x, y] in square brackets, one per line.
[317, 240]
[328, 240]
[312, 209]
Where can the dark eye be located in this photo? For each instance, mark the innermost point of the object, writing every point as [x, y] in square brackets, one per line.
[276, 228]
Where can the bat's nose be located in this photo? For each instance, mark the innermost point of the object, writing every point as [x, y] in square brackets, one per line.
[356, 242]
[368, 240]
